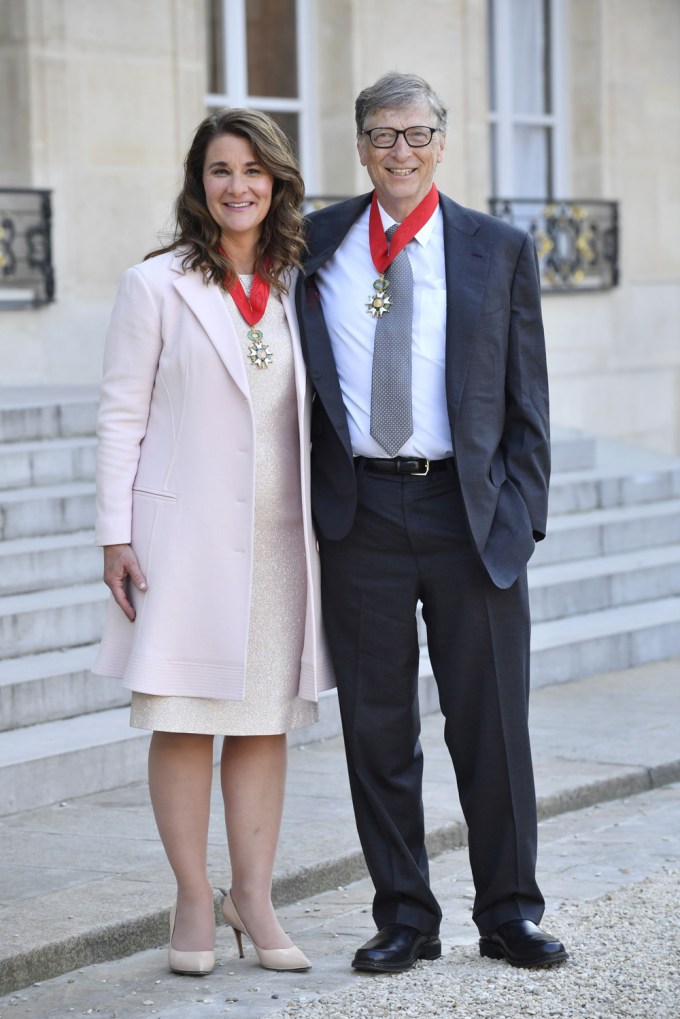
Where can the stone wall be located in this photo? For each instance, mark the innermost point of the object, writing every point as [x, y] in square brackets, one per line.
[445, 41]
[615, 356]
[104, 99]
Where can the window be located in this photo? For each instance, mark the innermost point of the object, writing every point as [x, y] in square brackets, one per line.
[526, 89]
[257, 59]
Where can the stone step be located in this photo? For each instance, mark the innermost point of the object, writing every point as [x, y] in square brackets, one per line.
[607, 487]
[589, 585]
[47, 412]
[53, 685]
[609, 531]
[52, 619]
[56, 761]
[47, 461]
[48, 509]
[571, 450]
[33, 564]
[588, 644]
[616, 638]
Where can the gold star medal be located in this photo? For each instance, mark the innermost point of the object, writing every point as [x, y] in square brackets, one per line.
[379, 302]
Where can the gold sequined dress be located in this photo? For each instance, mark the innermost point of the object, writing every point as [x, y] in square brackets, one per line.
[279, 587]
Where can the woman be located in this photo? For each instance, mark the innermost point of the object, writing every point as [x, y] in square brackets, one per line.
[214, 620]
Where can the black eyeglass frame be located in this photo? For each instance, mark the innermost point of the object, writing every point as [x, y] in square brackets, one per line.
[404, 131]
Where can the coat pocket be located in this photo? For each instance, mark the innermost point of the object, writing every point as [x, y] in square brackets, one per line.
[154, 527]
[497, 469]
[154, 493]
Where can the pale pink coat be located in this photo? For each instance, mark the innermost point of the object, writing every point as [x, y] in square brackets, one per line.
[175, 477]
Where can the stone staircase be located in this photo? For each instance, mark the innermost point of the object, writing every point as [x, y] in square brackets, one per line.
[605, 592]
[61, 730]
[605, 584]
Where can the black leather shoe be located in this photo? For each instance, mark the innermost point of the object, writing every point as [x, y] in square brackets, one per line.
[522, 943]
[395, 948]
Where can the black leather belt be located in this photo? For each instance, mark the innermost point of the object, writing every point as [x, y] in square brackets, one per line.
[401, 465]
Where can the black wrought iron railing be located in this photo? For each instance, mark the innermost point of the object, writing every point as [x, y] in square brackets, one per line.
[577, 240]
[26, 271]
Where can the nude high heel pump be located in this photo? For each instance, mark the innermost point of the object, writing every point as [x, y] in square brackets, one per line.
[270, 958]
[191, 964]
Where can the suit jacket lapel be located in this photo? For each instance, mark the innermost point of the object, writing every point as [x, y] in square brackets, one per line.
[207, 304]
[467, 267]
[325, 236]
[288, 301]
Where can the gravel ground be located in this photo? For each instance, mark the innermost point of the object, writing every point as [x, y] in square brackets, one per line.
[624, 950]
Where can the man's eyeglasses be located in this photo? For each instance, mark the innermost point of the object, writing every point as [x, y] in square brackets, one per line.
[385, 137]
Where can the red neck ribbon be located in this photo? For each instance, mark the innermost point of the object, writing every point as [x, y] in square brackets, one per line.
[252, 308]
[404, 233]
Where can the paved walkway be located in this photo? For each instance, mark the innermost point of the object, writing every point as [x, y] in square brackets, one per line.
[87, 881]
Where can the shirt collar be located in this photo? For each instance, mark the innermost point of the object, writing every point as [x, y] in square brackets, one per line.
[425, 232]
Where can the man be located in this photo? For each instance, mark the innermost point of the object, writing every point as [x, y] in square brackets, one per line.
[430, 466]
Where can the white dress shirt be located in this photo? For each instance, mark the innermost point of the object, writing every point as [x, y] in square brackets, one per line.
[346, 287]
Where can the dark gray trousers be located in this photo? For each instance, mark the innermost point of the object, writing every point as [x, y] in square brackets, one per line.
[410, 542]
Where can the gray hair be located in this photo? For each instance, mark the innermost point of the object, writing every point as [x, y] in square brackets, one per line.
[394, 91]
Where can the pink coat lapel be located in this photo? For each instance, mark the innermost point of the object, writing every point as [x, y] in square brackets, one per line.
[207, 304]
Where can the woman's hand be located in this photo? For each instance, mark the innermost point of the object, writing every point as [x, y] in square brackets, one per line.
[120, 562]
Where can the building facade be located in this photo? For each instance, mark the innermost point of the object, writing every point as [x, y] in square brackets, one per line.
[566, 112]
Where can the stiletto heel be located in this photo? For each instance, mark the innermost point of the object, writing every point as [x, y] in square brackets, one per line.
[192, 964]
[270, 958]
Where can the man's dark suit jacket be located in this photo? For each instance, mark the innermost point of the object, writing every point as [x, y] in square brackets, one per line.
[496, 384]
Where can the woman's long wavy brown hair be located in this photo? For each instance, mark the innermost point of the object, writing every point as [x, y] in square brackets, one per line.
[281, 245]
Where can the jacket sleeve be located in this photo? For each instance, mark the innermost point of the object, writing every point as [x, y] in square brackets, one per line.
[131, 356]
[526, 435]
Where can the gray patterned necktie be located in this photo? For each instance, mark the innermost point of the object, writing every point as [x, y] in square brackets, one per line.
[391, 411]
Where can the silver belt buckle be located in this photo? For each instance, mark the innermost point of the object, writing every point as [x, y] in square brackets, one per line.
[422, 474]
